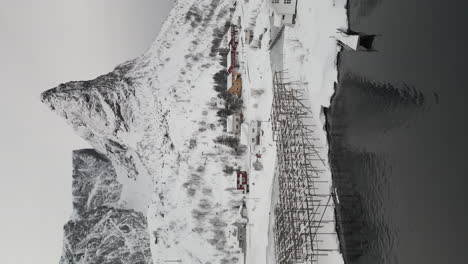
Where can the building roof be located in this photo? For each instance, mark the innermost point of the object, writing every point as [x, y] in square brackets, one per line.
[229, 58]
[229, 34]
[229, 81]
[282, 8]
[229, 123]
[244, 138]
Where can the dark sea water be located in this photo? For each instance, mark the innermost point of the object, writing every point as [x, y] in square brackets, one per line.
[398, 134]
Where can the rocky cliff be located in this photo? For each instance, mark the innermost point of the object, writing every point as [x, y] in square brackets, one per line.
[153, 122]
[99, 232]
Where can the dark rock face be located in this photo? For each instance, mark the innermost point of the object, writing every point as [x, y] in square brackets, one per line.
[99, 231]
[107, 235]
[94, 182]
[104, 111]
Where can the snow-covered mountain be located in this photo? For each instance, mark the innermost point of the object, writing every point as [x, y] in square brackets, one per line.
[158, 179]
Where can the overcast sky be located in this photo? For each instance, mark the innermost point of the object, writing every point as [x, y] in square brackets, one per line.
[44, 43]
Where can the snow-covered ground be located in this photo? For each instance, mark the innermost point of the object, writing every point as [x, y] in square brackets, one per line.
[307, 51]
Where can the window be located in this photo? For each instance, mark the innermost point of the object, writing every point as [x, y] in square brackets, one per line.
[253, 140]
[287, 1]
[253, 130]
[275, 1]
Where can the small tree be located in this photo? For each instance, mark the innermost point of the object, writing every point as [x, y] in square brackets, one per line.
[224, 113]
[257, 165]
[229, 141]
[228, 170]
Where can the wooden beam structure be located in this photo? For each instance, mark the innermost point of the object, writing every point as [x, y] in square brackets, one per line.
[300, 215]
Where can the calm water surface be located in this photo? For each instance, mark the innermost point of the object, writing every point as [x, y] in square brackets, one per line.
[398, 134]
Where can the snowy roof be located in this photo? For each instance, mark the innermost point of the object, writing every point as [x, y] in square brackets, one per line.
[229, 58]
[229, 34]
[229, 81]
[277, 20]
[244, 138]
[229, 123]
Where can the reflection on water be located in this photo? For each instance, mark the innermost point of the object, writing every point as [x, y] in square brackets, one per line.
[362, 8]
[398, 135]
[362, 177]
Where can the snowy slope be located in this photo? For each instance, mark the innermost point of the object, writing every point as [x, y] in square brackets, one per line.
[154, 118]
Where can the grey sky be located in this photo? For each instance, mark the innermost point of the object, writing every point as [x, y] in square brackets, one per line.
[42, 44]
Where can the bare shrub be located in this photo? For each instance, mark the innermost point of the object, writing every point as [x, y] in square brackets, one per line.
[199, 215]
[217, 222]
[212, 105]
[198, 230]
[257, 165]
[205, 204]
[239, 150]
[229, 141]
[228, 170]
[257, 92]
[192, 143]
[200, 168]
[207, 191]
[191, 191]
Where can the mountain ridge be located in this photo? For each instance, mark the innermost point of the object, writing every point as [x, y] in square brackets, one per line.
[144, 117]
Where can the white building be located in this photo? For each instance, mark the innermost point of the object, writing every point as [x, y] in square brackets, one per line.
[285, 11]
[255, 132]
[249, 36]
[251, 135]
[233, 124]
[241, 235]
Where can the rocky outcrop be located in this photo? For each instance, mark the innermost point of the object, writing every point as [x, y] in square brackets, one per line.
[105, 111]
[98, 231]
[110, 113]
[94, 182]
